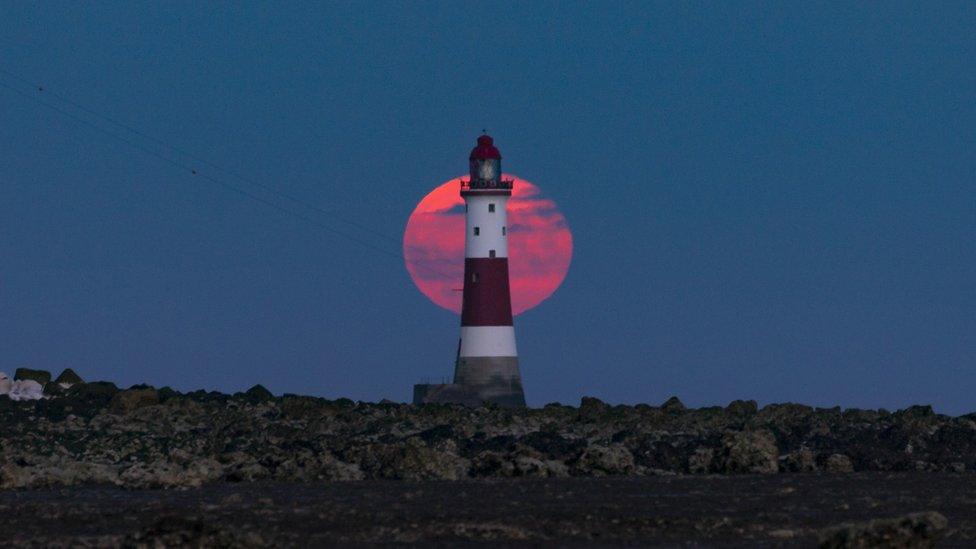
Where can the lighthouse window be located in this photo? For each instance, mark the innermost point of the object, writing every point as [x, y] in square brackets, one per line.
[503, 231]
[474, 277]
[491, 253]
[477, 231]
[491, 207]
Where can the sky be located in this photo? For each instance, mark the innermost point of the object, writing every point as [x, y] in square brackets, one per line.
[771, 201]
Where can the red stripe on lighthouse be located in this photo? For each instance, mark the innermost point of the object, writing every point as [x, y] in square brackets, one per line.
[487, 301]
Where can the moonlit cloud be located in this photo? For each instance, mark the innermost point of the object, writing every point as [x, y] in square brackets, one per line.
[540, 245]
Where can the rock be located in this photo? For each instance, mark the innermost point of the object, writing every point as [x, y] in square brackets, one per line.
[492, 464]
[412, 459]
[838, 463]
[591, 409]
[87, 398]
[751, 452]
[5, 383]
[130, 400]
[527, 462]
[166, 393]
[40, 376]
[166, 473]
[52, 388]
[25, 389]
[258, 394]
[673, 404]
[68, 377]
[604, 460]
[95, 433]
[917, 412]
[800, 461]
[330, 468]
[241, 467]
[94, 391]
[523, 461]
[54, 470]
[557, 468]
[701, 460]
[913, 530]
[553, 445]
[13, 476]
[742, 407]
[418, 461]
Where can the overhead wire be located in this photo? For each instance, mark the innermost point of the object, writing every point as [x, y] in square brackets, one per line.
[197, 173]
[194, 157]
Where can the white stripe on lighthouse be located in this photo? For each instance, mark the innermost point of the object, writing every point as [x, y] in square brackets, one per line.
[491, 226]
[488, 341]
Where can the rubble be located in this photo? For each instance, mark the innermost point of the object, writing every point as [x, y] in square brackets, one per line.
[143, 437]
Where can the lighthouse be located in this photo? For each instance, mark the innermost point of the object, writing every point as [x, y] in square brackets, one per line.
[486, 367]
[487, 359]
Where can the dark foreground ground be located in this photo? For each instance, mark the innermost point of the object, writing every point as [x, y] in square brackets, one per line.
[739, 510]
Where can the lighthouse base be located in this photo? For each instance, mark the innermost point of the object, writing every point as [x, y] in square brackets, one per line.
[477, 380]
[494, 378]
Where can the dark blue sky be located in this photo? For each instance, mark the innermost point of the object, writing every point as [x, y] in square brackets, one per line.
[772, 201]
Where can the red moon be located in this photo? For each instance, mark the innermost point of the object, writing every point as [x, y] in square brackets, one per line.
[540, 246]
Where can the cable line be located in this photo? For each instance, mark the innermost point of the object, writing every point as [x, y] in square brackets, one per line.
[191, 156]
[194, 172]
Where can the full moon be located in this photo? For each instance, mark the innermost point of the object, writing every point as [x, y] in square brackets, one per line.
[540, 246]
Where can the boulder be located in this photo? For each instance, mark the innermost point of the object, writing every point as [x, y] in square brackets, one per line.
[914, 530]
[258, 394]
[5, 383]
[591, 409]
[414, 460]
[68, 377]
[492, 464]
[799, 461]
[673, 404]
[600, 461]
[40, 376]
[742, 407]
[751, 452]
[90, 396]
[523, 461]
[168, 473]
[701, 461]
[26, 389]
[166, 393]
[54, 470]
[132, 399]
[330, 468]
[838, 463]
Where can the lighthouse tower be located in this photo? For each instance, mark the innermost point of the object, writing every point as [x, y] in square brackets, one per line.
[487, 361]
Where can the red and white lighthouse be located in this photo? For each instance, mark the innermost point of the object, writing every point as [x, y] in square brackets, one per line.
[487, 361]
[487, 366]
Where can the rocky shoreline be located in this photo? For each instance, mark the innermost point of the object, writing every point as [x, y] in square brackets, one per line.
[142, 437]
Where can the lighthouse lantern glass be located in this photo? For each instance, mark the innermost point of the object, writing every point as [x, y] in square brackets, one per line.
[488, 169]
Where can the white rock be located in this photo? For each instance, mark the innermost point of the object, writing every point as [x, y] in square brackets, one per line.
[5, 384]
[26, 389]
